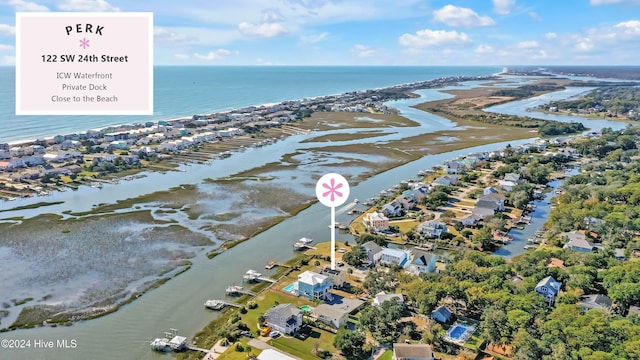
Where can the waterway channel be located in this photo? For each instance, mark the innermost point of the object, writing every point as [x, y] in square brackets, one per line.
[126, 333]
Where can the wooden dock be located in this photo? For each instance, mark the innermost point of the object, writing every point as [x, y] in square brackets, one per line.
[273, 264]
[238, 290]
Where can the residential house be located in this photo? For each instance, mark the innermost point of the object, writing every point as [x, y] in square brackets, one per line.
[412, 352]
[472, 220]
[392, 209]
[498, 199]
[394, 256]
[453, 167]
[286, 318]
[383, 296]
[407, 202]
[432, 228]
[442, 314]
[577, 241]
[375, 221]
[336, 315]
[445, 180]
[336, 277]
[513, 177]
[595, 301]
[506, 185]
[421, 262]
[312, 285]
[373, 250]
[489, 190]
[549, 287]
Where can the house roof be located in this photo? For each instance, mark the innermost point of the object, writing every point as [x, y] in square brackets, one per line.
[550, 283]
[487, 204]
[312, 278]
[443, 311]
[383, 296]
[421, 257]
[284, 310]
[394, 253]
[596, 301]
[346, 306]
[578, 240]
[412, 351]
[371, 246]
[271, 354]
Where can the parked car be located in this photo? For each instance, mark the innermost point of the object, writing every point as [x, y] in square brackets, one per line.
[274, 334]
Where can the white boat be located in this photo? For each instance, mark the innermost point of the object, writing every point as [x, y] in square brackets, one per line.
[251, 275]
[160, 345]
[234, 289]
[356, 201]
[213, 304]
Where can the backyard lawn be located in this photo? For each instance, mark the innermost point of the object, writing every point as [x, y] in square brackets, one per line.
[316, 339]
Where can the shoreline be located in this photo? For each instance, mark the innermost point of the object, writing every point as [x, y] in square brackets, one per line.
[229, 244]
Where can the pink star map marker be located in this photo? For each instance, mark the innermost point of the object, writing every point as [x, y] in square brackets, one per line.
[84, 43]
[332, 190]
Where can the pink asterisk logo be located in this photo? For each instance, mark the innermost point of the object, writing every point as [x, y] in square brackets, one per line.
[84, 43]
[333, 189]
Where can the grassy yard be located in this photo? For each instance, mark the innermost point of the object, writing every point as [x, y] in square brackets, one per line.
[320, 339]
[267, 300]
[387, 355]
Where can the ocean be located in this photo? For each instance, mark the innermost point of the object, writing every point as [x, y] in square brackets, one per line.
[182, 91]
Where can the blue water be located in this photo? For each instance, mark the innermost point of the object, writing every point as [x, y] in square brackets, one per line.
[457, 332]
[289, 288]
[181, 91]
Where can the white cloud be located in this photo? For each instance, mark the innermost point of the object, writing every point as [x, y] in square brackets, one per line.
[4, 47]
[630, 28]
[427, 37]
[313, 38]
[213, 55]
[271, 16]
[87, 5]
[550, 35]
[362, 51]
[266, 30]
[458, 16]
[527, 44]
[535, 16]
[584, 45]
[484, 49]
[7, 29]
[22, 5]
[608, 2]
[503, 7]
[169, 35]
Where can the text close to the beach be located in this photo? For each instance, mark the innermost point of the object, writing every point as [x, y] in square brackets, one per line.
[84, 64]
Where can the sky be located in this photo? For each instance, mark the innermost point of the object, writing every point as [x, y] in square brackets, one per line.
[371, 32]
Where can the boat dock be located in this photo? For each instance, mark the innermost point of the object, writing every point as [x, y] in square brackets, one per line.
[274, 263]
[217, 304]
[173, 342]
[238, 290]
[252, 275]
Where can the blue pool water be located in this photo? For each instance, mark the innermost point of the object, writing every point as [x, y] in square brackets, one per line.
[457, 332]
[289, 288]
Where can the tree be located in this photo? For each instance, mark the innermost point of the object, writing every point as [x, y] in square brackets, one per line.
[356, 256]
[350, 343]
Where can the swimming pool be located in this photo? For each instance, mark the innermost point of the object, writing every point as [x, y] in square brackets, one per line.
[457, 332]
[460, 332]
[291, 288]
[305, 308]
